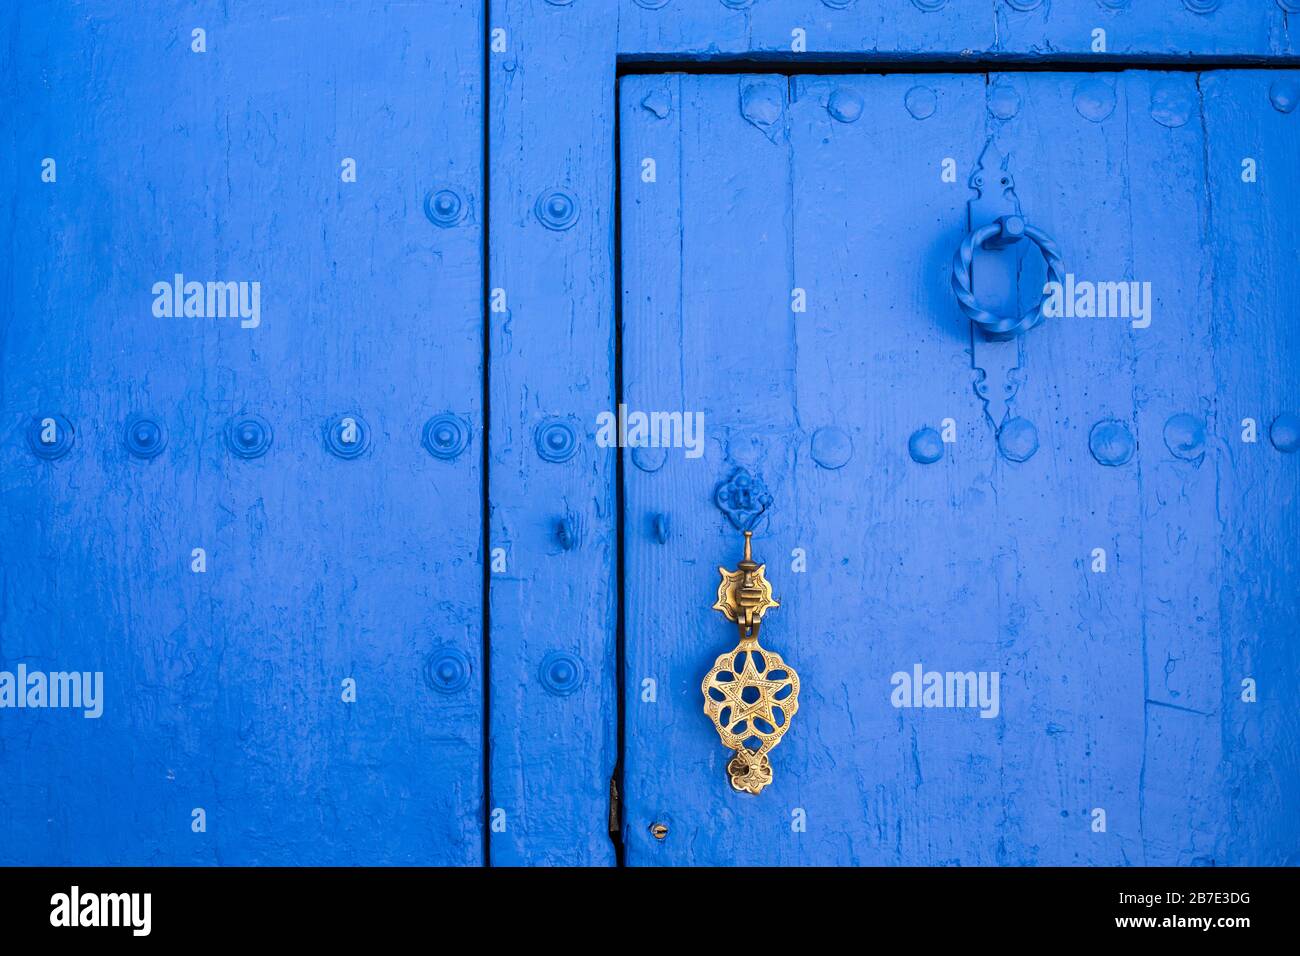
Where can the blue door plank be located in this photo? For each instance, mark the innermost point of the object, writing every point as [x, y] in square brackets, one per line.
[1143, 28]
[882, 355]
[1176, 394]
[950, 28]
[224, 689]
[715, 340]
[702, 28]
[1254, 233]
[554, 698]
[1073, 700]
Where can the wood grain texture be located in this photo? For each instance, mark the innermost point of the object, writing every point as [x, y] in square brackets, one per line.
[552, 753]
[903, 29]
[1251, 258]
[224, 688]
[1119, 690]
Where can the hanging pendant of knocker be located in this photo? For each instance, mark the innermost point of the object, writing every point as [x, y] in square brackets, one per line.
[750, 694]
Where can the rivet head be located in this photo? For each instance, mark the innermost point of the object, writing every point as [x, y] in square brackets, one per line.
[921, 102]
[445, 436]
[444, 207]
[561, 673]
[925, 446]
[556, 440]
[145, 436]
[1185, 437]
[1284, 93]
[447, 670]
[1024, 5]
[658, 830]
[649, 459]
[831, 447]
[1004, 101]
[248, 436]
[929, 6]
[1114, 4]
[652, 4]
[762, 104]
[1290, 6]
[347, 436]
[658, 102]
[845, 105]
[556, 209]
[1284, 433]
[1201, 6]
[50, 436]
[839, 4]
[738, 4]
[1171, 103]
[1111, 443]
[1094, 100]
[1018, 439]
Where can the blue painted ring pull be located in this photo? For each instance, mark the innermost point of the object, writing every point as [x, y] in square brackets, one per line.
[1001, 233]
[994, 227]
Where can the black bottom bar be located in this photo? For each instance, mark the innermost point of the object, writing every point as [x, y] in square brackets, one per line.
[335, 905]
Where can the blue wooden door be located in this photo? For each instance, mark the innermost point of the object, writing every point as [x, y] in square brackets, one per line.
[1113, 540]
[258, 518]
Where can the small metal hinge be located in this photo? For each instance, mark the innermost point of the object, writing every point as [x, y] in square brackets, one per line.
[615, 808]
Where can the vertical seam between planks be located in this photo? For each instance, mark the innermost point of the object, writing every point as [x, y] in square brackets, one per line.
[1141, 508]
[620, 642]
[485, 379]
[1208, 284]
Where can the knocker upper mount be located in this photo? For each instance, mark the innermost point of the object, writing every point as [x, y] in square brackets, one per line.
[750, 694]
[995, 223]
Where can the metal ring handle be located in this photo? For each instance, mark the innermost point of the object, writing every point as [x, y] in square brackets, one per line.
[1010, 229]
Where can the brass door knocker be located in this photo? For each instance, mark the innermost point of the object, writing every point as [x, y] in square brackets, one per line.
[751, 693]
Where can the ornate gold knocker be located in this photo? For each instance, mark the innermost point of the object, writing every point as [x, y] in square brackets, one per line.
[751, 693]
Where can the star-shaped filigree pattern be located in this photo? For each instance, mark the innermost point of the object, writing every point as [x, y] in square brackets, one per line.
[725, 689]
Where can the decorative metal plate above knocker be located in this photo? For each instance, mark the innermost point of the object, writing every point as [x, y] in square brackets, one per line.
[992, 250]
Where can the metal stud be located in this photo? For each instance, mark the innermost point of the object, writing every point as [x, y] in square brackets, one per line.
[144, 436]
[347, 436]
[50, 436]
[444, 207]
[447, 670]
[445, 436]
[561, 673]
[248, 436]
[556, 209]
[556, 440]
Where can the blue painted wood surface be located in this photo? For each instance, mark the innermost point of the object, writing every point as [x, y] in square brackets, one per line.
[224, 689]
[554, 699]
[1120, 691]
[927, 29]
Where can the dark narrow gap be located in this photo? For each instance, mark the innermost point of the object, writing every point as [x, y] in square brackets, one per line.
[485, 548]
[831, 64]
[620, 638]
